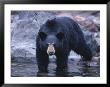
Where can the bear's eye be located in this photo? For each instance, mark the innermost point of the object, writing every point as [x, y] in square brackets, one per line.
[42, 35]
[60, 35]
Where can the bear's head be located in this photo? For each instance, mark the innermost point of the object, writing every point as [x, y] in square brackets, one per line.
[51, 37]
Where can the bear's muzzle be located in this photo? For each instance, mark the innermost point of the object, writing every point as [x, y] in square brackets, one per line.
[50, 49]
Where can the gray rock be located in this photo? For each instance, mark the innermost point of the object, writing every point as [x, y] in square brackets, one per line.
[24, 28]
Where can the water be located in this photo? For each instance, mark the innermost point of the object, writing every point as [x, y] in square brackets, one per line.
[75, 68]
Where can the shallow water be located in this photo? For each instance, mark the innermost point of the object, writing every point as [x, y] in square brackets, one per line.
[75, 68]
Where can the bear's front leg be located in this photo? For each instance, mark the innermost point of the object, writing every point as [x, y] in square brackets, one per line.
[42, 60]
[61, 62]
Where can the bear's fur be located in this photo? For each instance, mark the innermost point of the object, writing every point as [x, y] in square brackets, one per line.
[66, 35]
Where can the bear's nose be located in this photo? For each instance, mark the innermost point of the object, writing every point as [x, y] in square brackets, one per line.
[51, 53]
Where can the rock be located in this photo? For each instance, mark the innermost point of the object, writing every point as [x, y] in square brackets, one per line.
[87, 23]
[24, 60]
[24, 28]
[93, 41]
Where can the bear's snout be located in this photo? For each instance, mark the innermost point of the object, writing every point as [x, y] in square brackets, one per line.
[50, 49]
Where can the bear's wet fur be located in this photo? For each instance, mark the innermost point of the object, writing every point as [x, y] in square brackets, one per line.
[71, 39]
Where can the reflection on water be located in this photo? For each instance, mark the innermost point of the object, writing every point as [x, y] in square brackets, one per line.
[75, 68]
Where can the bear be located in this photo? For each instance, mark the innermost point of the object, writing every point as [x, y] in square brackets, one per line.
[58, 36]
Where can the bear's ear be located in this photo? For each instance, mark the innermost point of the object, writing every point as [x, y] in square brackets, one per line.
[51, 22]
[42, 35]
[60, 35]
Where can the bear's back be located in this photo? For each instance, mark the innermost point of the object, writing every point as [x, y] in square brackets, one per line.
[69, 24]
[71, 27]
